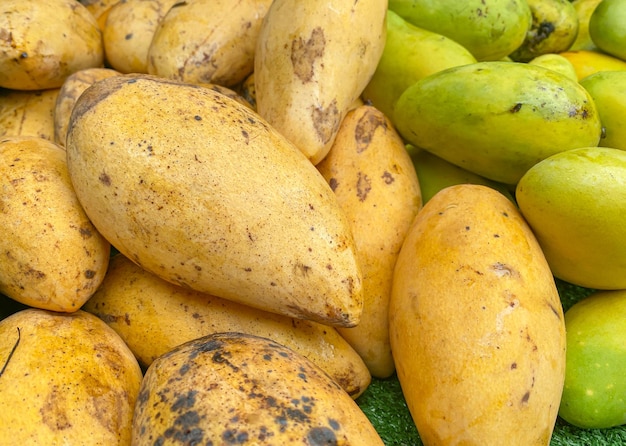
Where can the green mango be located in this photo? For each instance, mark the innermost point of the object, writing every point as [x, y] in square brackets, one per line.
[489, 29]
[606, 27]
[554, 29]
[410, 54]
[594, 392]
[608, 90]
[575, 202]
[497, 119]
[435, 173]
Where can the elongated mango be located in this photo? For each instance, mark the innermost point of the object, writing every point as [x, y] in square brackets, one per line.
[497, 119]
[198, 189]
[476, 325]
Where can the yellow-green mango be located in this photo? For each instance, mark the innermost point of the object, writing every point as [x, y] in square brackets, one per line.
[606, 27]
[608, 90]
[594, 393]
[497, 119]
[556, 62]
[435, 173]
[489, 29]
[575, 201]
[584, 9]
[554, 29]
[410, 54]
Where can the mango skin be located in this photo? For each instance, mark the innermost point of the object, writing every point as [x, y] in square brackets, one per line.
[233, 388]
[556, 62]
[575, 201]
[606, 27]
[71, 380]
[608, 90]
[497, 119]
[554, 29]
[587, 62]
[249, 218]
[584, 9]
[476, 324]
[594, 395]
[410, 54]
[489, 29]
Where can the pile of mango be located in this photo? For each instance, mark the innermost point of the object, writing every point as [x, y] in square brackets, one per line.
[221, 220]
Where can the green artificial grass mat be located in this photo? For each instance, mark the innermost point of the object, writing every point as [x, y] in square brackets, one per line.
[386, 408]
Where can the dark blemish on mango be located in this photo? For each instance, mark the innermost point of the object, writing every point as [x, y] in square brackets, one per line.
[388, 178]
[105, 179]
[513, 365]
[53, 410]
[525, 398]
[333, 184]
[85, 233]
[467, 228]
[301, 269]
[90, 274]
[185, 401]
[326, 121]
[554, 310]
[231, 436]
[319, 436]
[366, 128]
[184, 431]
[517, 107]
[10, 355]
[208, 346]
[184, 369]
[363, 186]
[505, 214]
[197, 118]
[304, 53]
[128, 36]
[334, 424]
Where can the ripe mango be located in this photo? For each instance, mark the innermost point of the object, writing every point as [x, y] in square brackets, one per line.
[594, 396]
[489, 29]
[575, 201]
[476, 324]
[497, 119]
[587, 62]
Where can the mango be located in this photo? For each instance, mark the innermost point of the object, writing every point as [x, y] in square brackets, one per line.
[587, 62]
[489, 29]
[607, 27]
[554, 28]
[435, 173]
[584, 9]
[497, 119]
[234, 388]
[557, 63]
[594, 394]
[476, 324]
[608, 90]
[575, 202]
[410, 54]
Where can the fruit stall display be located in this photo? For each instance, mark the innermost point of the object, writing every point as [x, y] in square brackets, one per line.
[394, 222]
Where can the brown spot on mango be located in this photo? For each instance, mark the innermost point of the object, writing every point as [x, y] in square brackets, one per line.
[366, 128]
[326, 121]
[304, 53]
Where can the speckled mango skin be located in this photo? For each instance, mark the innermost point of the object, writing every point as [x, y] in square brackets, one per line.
[70, 380]
[232, 388]
[44, 41]
[198, 189]
[312, 61]
[373, 176]
[154, 316]
[497, 119]
[52, 255]
[489, 29]
[476, 325]
[28, 113]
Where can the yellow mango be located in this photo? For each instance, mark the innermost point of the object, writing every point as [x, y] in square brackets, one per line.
[587, 62]
[375, 182]
[198, 189]
[476, 325]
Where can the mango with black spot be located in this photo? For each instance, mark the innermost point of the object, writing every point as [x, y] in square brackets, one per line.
[476, 325]
[65, 379]
[234, 388]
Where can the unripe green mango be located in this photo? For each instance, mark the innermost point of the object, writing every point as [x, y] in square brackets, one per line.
[497, 119]
[435, 174]
[575, 202]
[410, 54]
[594, 393]
[607, 27]
[608, 90]
[489, 29]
